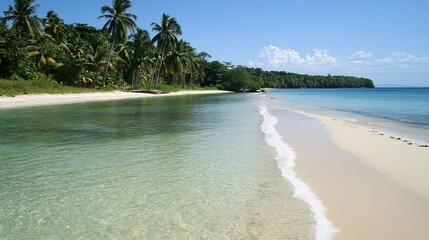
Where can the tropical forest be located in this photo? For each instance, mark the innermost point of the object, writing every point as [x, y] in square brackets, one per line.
[47, 55]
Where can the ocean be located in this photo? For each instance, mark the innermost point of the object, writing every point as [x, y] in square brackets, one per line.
[179, 167]
[403, 111]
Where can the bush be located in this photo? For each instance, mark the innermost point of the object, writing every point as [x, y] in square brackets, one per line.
[13, 61]
[238, 80]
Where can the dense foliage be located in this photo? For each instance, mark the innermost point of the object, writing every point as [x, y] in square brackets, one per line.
[123, 55]
[249, 79]
[275, 79]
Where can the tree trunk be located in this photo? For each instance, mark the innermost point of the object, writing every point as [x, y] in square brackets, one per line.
[157, 69]
[190, 80]
[108, 62]
[138, 74]
[132, 79]
[159, 72]
[122, 76]
[183, 80]
[154, 72]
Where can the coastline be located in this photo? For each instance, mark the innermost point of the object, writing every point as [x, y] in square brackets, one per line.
[373, 185]
[58, 99]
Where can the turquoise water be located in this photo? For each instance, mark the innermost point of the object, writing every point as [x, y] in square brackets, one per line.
[185, 167]
[405, 110]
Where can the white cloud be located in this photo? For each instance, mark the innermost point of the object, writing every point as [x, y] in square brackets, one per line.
[274, 57]
[359, 57]
[359, 63]
[401, 58]
[277, 57]
[322, 56]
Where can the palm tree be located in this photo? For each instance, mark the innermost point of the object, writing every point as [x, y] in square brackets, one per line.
[97, 59]
[177, 60]
[125, 53]
[22, 15]
[200, 74]
[117, 25]
[203, 56]
[165, 39]
[193, 62]
[55, 27]
[142, 54]
[44, 50]
[74, 68]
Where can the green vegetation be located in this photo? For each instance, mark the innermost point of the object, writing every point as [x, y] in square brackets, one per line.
[276, 79]
[175, 88]
[11, 88]
[226, 76]
[122, 55]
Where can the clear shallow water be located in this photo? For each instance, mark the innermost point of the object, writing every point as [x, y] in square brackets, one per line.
[399, 109]
[189, 167]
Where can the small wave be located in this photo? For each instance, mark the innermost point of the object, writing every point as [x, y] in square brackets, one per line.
[324, 229]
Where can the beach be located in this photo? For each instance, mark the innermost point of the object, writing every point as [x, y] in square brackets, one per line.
[346, 180]
[51, 99]
[374, 184]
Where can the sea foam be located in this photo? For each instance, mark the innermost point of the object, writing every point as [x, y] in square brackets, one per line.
[324, 229]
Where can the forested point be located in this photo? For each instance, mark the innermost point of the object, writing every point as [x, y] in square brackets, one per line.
[122, 55]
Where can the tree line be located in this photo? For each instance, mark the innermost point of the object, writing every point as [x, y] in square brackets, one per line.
[239, 78]
[122, 54]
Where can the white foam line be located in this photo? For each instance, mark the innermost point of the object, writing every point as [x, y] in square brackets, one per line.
[324, 229]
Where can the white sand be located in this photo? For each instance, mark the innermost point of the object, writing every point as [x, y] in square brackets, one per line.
[403, 161]
[51, 99]
[373, 186]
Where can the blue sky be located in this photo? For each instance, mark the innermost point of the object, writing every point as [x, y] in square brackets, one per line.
[387, 41]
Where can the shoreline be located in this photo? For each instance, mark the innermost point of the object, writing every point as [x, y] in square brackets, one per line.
[373, 185]
[32, 100]
[286, 162]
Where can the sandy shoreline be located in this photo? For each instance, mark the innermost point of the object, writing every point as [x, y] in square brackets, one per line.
[374, 185]
[51, 99]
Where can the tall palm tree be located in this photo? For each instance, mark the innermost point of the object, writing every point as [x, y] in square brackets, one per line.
[142, 54]
[124, 54]
[117, 25]
[165, 39]
[193, 61]
[55, 27]
[176, 60]
[22, 15]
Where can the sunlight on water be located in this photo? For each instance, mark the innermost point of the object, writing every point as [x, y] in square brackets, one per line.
[189, 167]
